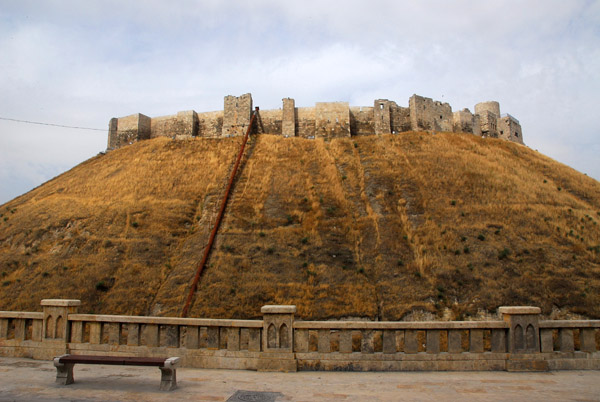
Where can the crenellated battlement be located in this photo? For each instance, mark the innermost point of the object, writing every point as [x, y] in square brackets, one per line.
[324, 120]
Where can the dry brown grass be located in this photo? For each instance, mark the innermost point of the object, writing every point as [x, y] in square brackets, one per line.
[376, 227]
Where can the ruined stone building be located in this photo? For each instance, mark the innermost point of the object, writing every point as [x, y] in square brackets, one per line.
[324, 120]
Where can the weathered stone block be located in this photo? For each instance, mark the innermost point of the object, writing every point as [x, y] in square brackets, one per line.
[523, 333]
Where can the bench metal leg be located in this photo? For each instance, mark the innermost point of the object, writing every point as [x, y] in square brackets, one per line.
[168, 379]
[64, 373]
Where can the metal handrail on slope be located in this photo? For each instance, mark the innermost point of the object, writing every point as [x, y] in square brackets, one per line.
[213, 233]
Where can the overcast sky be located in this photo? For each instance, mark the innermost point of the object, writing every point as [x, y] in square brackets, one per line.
[80, 63]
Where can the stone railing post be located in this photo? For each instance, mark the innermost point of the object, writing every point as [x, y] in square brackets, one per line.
[55, 326]
[523, 338]
[278, 339]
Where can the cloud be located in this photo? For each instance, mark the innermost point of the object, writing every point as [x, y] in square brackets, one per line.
[81, 63]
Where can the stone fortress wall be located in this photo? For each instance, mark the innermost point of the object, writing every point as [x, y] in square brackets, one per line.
[324, 120]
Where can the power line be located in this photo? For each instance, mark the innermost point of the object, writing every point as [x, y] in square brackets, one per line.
[54, 125]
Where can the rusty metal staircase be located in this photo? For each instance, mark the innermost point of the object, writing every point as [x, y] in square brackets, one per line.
[213, 233]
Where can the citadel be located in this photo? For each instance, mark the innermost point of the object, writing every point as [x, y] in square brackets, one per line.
[324, 120]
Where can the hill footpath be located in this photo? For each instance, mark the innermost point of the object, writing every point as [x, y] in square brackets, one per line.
[382, 227]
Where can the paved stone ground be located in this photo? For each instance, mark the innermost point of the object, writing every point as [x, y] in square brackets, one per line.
[33, 380]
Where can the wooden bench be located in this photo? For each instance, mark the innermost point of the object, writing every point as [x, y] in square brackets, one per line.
[168, 366]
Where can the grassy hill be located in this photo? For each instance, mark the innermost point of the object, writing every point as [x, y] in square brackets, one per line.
[380, 227]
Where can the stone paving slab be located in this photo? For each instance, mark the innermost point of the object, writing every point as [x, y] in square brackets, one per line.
[33, 380]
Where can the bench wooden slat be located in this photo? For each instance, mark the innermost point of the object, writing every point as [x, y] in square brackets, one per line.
[114, 360]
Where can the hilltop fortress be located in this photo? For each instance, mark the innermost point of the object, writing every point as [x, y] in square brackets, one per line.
[324, 120]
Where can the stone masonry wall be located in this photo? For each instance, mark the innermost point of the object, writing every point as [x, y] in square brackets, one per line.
[509, 129]
[463, 121]
[128, 130]
[361, 120]
[332, 119]
[210, 124]
[181, 125]
[325, 120]
[427, 114]
[269, 121]
[305, 122]
[400, 118]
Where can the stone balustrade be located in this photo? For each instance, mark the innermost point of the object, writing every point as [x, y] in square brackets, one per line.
[520, 341]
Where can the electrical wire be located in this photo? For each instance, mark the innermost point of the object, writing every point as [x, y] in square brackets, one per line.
[54, 125]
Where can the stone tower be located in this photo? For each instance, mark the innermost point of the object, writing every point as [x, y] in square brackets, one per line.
[489, 113]
[382, 116]
[237, 112]
[288, 120]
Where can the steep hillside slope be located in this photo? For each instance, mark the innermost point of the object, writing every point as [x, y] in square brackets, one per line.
[374, 227]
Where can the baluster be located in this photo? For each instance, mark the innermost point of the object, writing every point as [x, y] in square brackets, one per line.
[565, 340]
[133, 334]
[433, 341]
[389, 341]
[346, 341]
[36, 330]
[367, 341]
[76, 331]
[150, 335]
[476, 341]
[233, 339]
[498, 340]
[113, 333]
[212, 338]
[254, 339]
[547, 338]
[95, 333]
[324, 341]
[411, 343]
[191, 337]
[20, 329]
[3, 328]
[587, 337]
[455, 341]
